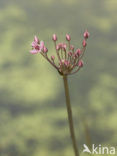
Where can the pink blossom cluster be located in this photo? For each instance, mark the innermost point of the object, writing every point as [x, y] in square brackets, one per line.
[38, 46]
[69, 59]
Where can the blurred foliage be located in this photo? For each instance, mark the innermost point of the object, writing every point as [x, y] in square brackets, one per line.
[32, 105]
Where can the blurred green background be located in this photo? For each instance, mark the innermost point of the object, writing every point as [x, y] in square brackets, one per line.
[33, 117]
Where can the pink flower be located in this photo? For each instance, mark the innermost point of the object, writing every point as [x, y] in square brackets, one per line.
[34, 44]
[36, 47]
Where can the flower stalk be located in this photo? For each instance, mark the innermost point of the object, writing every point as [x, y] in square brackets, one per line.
[70, 118]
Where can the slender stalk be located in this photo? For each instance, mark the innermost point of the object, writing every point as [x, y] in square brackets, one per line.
[57, 52]
[52, 63]
[70, 119]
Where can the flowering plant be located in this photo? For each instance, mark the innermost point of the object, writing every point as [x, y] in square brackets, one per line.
[69, 59]
[69, 62]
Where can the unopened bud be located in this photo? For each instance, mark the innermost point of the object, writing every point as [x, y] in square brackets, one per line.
[78, 52]
[84, 43]
[68, 38]
[80, 63]
[54, 37]
[52, 57]
[86, 34]
[45, 50]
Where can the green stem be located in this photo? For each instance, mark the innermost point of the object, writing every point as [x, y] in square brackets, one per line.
[70, 119]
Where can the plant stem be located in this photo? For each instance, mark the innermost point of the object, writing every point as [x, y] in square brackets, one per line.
[70, 119]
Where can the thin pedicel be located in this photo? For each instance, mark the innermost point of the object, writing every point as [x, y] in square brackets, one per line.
[69, 62]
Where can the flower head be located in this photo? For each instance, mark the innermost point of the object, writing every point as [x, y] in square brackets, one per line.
[69, 57]
[37, 46]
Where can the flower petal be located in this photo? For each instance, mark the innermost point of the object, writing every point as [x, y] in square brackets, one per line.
[36, 39]
[34, 44]
[34, 51]
[41, 45]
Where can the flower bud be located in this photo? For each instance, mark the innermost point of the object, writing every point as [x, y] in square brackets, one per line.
[80, 63]
[45, 50]
[78, 52]
[84, 43]
[52, 57]
[86, 34]
[54, 37]
[68, 37]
